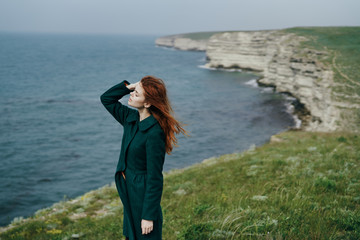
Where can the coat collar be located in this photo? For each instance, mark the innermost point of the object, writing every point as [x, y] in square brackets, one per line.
[144, 124]
[147, 123]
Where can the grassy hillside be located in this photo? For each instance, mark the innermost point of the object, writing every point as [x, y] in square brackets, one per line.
[194, 35]
[199, 35]
[300, 186]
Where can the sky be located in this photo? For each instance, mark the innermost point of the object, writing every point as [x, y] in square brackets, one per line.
[165, 17]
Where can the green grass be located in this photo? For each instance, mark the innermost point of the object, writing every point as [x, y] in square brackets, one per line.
[344, 42]
[198, 35]
[305, 186]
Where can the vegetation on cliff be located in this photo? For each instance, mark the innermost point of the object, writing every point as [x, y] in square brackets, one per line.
[299, 186]
[342, 45]
[194, 35]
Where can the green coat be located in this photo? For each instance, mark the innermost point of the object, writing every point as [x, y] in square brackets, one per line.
[141, 192]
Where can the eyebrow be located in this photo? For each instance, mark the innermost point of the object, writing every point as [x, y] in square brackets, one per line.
[137, 91]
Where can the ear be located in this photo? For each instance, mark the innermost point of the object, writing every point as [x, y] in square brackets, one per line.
[147, 105]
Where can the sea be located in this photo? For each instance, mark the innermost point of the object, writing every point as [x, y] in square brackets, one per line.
[57, 141]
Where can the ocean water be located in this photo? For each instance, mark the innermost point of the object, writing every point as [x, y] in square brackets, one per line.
[57, 140]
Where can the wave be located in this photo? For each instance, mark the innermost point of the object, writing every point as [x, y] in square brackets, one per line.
[252, 83]
[167, 48]
[220, 69]
[267, 90]
[291, 110]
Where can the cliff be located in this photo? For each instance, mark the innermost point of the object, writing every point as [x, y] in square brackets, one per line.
[286, 66]
[286, 63]
[182, 43]
[187, 41]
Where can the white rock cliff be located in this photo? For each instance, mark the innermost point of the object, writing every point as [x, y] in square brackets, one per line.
[283, 64]
[182, 43]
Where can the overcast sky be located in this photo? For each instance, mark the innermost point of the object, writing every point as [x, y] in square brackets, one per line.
[163, 17]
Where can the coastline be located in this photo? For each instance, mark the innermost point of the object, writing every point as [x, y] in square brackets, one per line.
[292, 61]
[56, 182]
[291, 103]
[88, 198]
[186, 42]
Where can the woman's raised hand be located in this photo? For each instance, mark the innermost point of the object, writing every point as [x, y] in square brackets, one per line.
[132, 86]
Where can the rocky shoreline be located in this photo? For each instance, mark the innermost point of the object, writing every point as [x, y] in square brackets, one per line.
[282, 62]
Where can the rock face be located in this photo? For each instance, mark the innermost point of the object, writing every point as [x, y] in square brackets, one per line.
[246, 50]
[182, 43]
[285, 66]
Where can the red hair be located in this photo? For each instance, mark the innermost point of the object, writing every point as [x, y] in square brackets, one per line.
[156, 95]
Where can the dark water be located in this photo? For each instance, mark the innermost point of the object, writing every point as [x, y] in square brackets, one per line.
[57, 140]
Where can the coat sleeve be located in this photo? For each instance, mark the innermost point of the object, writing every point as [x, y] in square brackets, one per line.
[155, 156]
[110, 100]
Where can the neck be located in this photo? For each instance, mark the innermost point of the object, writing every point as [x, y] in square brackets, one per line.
[144, 113]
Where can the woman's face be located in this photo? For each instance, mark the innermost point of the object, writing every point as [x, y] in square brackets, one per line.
[137, 98]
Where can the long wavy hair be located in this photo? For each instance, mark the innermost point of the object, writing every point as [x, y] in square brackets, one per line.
[155, 94]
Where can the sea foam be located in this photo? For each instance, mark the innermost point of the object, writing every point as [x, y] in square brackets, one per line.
[220, 69]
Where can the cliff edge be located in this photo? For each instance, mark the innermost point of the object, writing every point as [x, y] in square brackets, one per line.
[284, 65]
[290, 66]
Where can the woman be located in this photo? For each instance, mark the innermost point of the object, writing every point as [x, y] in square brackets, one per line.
[149, 133]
